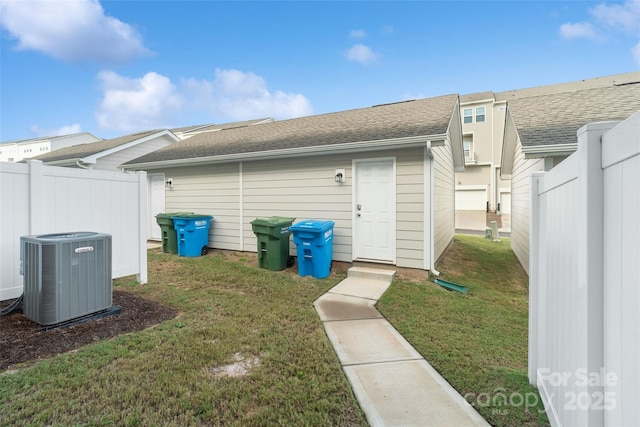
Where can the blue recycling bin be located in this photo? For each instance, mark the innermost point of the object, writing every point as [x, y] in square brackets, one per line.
[192, 234]
[314, 246]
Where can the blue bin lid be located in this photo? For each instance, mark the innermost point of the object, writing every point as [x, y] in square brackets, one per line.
[190, 216]
[312, 225]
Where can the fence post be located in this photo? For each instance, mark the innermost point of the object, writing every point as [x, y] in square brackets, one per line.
[534, 283]
[36, 189]
[591, 271]
[143, 188]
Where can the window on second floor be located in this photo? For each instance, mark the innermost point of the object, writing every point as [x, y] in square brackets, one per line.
[480, 114]
[467, 145]
[467, 114]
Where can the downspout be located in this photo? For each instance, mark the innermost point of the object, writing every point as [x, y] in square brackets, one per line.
[241, 207]
[494, 180]
[80, 165]
[432, 242]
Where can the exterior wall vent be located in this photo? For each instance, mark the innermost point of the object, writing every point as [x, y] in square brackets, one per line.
[66, 276]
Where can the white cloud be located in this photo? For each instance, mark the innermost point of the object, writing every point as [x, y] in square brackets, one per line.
[387, 29]
[64, 130]
[357, 34]
[75, 30]
[635, 51]
[130, 105]
[614, 18]
[362, 54]
[625, 17]
[578, 30]
[240, 96]
[153, 101]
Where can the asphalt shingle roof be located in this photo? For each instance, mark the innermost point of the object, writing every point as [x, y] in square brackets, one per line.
[213, 126]
[422, 117]
[83, 150]
[554, 118]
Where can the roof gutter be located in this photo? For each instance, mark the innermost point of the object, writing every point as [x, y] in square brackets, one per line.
[539, 151]
[413, 141]
[62, 162]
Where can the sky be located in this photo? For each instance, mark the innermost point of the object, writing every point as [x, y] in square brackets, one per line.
[114, 68]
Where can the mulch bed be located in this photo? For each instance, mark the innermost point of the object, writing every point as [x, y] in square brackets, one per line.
[22, 340]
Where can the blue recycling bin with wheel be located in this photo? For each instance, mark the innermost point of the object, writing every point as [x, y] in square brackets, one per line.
[192, 234]
[314, 246]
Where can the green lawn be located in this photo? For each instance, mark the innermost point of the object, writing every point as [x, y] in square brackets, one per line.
[234, 314]
[478, 340]
[231, 313]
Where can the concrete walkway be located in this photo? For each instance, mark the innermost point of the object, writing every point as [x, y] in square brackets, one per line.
[393, 383]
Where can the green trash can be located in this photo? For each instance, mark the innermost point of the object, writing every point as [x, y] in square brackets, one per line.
[273, 241]
[169, 235]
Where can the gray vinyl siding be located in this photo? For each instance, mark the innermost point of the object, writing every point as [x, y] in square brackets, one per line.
[410, 193]
[300, 188]
[444, 198]
[210, 190]
[115, 160]
[520, 203]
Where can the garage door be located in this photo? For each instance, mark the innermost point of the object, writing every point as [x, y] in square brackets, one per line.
[471, 200]
[505, 203]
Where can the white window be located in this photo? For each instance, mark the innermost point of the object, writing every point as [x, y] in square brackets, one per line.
[467, 145]
[467, 113]
[480, 114]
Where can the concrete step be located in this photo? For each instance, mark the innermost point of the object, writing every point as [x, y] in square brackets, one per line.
[371, 273]
[361, 287]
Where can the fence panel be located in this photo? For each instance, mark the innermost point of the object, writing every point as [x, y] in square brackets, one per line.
[566, 273]
[621, 164]
[39, 199]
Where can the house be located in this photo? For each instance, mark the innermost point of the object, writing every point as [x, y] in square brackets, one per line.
[15, 151]
[109, 154]
[481, 188]
[540, 131]
[383, 174]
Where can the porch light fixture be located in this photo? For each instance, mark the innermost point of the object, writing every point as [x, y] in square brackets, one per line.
[340, 176]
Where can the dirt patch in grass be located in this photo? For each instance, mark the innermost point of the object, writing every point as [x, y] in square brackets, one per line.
[22, 340]
[241, 367]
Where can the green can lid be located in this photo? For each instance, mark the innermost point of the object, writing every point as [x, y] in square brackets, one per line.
[273, 221]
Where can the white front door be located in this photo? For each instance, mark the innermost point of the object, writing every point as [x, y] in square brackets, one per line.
[156, 204]
[374, 210]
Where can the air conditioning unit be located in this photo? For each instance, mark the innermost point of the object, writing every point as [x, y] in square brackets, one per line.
[66, 276]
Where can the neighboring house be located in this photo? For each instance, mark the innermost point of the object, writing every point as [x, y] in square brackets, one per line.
[15, 151]
[480, 187]
[189, 131]
[540, 131]
[384, 175]
[111, 153]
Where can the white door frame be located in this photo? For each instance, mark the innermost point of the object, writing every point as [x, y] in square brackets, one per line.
[153, 225]
[392, 201]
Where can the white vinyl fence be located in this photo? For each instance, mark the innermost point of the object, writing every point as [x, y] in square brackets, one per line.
[37, 199]
[584, 280]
